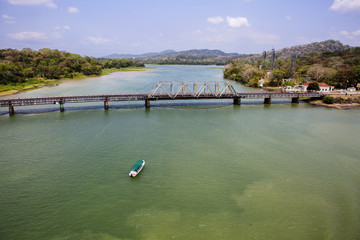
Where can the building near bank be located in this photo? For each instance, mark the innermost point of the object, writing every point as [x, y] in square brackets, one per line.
[323, 87]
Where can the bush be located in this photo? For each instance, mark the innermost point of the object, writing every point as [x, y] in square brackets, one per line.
[328, 100]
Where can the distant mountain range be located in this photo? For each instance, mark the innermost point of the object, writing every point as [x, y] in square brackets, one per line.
[197, 53]
[206, 56]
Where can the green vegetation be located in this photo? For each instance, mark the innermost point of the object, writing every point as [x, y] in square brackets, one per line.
[340, 69]
[314, 86]
[328, 100]
[27, 69]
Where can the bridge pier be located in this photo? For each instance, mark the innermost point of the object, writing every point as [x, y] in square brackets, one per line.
[295, 100]
[267, 100]
[147, 103]
[62, 109]
[106, 104]
[11, 110]
[237, 101]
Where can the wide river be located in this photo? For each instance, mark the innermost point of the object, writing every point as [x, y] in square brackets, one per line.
[213, 170]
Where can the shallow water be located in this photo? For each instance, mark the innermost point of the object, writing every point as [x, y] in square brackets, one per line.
[214, 171]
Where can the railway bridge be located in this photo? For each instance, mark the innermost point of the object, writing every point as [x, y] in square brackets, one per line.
[169, 90]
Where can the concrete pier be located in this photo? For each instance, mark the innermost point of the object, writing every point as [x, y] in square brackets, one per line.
[147, 103]
[237, 101]
[106, 104]
[267, 100]
[62, 109]
[11, 110]
[295, 100]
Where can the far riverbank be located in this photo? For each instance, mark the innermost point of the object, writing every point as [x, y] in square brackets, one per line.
[36, 83]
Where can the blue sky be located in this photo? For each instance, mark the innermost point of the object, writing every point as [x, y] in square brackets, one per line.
[98, 28]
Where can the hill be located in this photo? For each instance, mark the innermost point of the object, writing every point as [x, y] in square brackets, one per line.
[206, 56]
[193, 56]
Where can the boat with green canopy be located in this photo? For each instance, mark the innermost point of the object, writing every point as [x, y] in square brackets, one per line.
[136, 168]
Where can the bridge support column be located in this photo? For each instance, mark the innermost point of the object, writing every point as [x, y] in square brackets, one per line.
[295, 100]
[62, 109]
[147, 103]
[11, 110]
[267, 100]
[106, 104]
[237, 101]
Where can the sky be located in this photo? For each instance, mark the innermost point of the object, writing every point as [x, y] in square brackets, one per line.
[99, 28]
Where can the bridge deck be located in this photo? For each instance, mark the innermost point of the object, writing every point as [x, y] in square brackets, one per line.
[143, 97]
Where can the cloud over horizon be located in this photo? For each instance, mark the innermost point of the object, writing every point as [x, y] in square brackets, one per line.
[47, 3]
[215, 20]
[28, 36]
[73, 10]
[237, 22]
[345, 6]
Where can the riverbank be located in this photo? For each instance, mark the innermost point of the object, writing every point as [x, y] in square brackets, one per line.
[345, 101]
[36, 83]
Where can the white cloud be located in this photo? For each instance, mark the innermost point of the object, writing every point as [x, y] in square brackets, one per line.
[73, 10]
[237, 22]
[356, 33]
[215, 20]
[7, 17]
[28, 36]
[350, 35]
[99, 40]
[48, 3]
[344, 33]
[66, 28]
[345, 6]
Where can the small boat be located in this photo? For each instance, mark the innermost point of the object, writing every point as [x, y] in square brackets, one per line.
[136, 168]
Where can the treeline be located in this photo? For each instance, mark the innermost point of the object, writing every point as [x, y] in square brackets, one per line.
[340, 69]
[20, 66]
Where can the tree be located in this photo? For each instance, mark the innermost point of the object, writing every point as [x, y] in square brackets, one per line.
[289, 83]
[276, 77]
[314, 86]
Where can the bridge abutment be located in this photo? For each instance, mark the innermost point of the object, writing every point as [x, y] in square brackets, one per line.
[147, 103]
[267, 100]
[237, 101]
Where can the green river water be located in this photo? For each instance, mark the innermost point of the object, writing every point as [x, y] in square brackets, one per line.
[213, 170]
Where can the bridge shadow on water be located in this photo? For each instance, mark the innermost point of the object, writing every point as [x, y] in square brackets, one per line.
[154, 104]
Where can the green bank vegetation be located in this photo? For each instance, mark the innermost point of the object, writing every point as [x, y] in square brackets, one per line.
[340, 69]
[29, 69]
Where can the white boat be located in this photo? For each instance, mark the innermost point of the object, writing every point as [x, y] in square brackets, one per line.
[136, 168]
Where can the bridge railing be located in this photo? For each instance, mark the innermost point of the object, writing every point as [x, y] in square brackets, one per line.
[194, 89]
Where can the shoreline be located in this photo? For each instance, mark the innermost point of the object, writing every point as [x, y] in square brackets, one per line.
[55, 82]
[335, 105]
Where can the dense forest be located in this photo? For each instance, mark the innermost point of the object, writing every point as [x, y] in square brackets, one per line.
[21, 66]
[339, 68]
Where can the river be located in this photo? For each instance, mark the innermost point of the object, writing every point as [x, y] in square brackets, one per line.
[213, 170]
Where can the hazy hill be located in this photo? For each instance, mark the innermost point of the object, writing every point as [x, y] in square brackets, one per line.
[194, 53]
[206, 56]
[299, 50]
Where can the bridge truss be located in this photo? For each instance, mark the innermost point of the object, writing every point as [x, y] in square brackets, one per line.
[194, 89]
